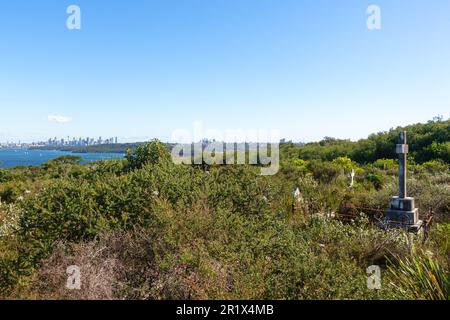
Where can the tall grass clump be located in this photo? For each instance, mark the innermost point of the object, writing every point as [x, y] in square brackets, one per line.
[421, 277]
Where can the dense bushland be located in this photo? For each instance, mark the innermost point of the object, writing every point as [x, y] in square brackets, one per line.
[145, 228]
[428, 141]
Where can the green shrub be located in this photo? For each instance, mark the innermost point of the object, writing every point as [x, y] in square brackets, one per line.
[153, 152]
[435, 166]
[324, 172]
[375, 179]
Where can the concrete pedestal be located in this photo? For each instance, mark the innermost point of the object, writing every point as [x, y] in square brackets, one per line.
[403, 214]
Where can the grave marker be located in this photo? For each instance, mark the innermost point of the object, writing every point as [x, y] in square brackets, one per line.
[402, 212]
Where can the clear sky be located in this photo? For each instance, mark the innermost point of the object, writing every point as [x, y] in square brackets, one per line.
[141, 69]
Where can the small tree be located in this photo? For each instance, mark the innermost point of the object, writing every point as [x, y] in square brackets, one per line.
[346, 164]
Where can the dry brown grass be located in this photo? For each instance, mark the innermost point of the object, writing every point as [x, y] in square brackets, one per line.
[98, 266]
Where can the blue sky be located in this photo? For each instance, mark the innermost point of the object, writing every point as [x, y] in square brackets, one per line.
[142, 69]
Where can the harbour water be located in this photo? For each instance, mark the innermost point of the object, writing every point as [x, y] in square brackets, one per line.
[10, 158]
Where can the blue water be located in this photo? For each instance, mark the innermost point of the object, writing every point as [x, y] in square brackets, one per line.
[10, 158]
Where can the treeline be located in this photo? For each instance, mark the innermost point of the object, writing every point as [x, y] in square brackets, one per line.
[429, 141]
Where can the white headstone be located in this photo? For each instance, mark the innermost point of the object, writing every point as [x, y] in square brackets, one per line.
[297, 196]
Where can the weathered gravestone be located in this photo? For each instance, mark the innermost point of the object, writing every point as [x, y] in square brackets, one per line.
[297, 200]
[402, 212]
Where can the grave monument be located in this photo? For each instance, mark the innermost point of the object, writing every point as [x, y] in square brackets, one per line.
[402, 212]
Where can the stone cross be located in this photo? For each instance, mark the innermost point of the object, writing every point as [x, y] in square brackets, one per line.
[402, 211]
[402, 151]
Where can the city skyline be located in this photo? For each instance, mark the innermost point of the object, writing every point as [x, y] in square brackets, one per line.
[142, 70]
[59, 142]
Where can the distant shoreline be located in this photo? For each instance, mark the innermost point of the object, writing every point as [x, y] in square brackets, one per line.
[120, 148]
[106, 148]
[11, 158]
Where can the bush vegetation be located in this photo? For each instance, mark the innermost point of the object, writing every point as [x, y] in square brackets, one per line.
[145, 228]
